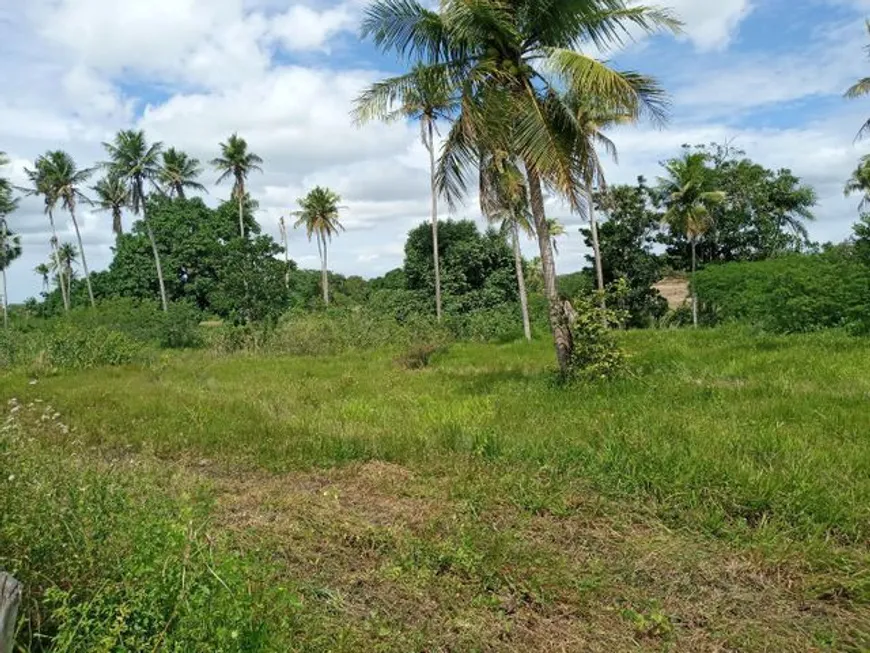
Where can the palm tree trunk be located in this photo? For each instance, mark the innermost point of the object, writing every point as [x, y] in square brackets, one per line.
[72, 214]
[242, 209]
[596, 247]
[694, 291]
[154, 249]
[4, 262]
[324, 270]
[179, 189]
[54, 245]
[116, 223]
[286, 262]
[435, 250]
[521, 280]
[562, 337]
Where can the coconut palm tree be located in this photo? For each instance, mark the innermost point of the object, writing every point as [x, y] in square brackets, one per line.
[556, 229]
[688, 198]
[137, 164]
[179, 171]
[10, 244]
[44, 271]
[113, 195]
[510, 62]
[504, 199]
[425, 96]
[859, 89]
[42, 185]
[236, 162]
[66, 180]
[319, 215]
[859, 182]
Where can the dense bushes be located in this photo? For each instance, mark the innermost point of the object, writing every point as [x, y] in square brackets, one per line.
[792, 294]
[65, 346]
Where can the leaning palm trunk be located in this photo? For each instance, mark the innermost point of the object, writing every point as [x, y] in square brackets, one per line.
[54, 246]
[563, 339]
[72, 214]
[521, 280]
[116, 223]
[596, 246]
[155, 251]
[435, 250]
[694, 290]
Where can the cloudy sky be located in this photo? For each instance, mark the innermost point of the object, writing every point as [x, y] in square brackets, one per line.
[766, 74]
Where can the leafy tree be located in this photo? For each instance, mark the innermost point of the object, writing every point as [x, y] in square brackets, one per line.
[179, 172]
[688, 196]
[628, 234]
[510, 62]
[859, 89]
[237, 162]
[137, 164]
[478, 268]
[427, 97]
[41, 185]
[319, 215]
[762, 215]
[113, 195]
[859, 182]
[504, 199]
[66, 179]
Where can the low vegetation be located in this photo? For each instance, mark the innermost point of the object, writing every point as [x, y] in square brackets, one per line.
[712, 497]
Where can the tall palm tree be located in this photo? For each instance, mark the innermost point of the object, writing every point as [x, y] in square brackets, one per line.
[66, 179]
[688, 199]
[556, 229]
[113, 195]
[859, 89]
[44, 271]
[859, 182]
[319, 215]
[504, 199]
[179, 171]
[425, 96]
[137, 164]
[511, 61]
[42, 185]
[235, 161]
[10, 244]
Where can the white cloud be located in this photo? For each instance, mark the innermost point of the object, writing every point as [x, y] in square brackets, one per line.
[711, 25]
[304, 28]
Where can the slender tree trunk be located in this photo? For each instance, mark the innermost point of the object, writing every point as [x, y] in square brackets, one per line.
[5, 263]
[694, 291]
[154, 250]
[521, 281]
[242, 209]
[286, 261]
[55, 248]
[117, 227]
[436, 259]
[72, 214]
[179, 189]
[596, 246]
[324, 269]
[562, 337]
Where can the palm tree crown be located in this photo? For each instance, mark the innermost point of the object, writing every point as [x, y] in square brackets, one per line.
[179, 172]
[237, 162]
[112, 194]
[135, 163]
[859, 182]
[319, 213]
[688, 196]
[859, 89]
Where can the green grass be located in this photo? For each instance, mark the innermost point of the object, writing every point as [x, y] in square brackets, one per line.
[476, 504]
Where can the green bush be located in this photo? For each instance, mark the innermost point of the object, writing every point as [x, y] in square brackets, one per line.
[799, 293]
[597, 354]
[113, 561]
[500, 324]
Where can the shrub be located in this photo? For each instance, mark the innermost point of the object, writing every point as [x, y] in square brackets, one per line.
[798, 293]
[500, 324]
[597, 354]
[419, 356]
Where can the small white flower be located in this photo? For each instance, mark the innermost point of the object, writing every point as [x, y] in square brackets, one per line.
[11, 477]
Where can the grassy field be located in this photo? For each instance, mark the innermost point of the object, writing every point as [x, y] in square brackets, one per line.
[716, 499]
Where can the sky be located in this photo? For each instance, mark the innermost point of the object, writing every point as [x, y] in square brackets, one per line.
[766, 75]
